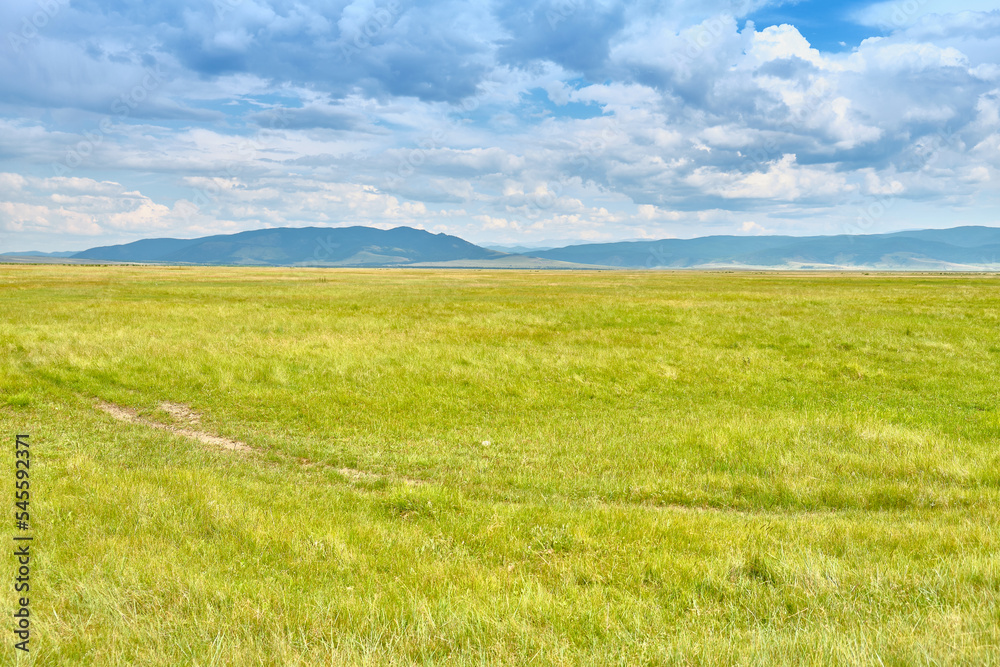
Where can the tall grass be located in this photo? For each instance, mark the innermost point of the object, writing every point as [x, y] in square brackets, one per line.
[474, 467]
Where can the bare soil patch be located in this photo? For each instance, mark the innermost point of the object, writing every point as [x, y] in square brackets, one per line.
[184, 413]
[131, 416]
[181, 412]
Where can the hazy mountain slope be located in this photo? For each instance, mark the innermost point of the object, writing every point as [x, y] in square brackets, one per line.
[976, 246]
[146, 250]
[38, 253]
[868, 251]
[667, 252]
[965, 237]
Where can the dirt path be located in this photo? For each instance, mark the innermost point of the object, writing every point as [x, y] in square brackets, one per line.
[186, 414]
[131, 416]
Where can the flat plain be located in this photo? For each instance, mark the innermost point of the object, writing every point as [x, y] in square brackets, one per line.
[238, 466]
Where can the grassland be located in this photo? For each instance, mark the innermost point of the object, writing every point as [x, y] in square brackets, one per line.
[453, 467]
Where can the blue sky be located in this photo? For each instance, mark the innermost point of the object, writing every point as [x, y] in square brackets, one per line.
[501, 122]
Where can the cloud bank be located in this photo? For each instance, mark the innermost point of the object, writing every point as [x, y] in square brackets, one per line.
[504, 122]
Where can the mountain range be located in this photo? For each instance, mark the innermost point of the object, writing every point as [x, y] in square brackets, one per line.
[959, 248]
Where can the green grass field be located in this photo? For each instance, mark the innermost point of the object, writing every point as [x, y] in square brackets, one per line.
[488, 467]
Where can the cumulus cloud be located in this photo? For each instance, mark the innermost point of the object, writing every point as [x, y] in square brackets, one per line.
[783, 180]
[77, 207]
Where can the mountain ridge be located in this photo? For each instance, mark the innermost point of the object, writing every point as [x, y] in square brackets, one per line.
[299, 246]
[965, 246]
[957, 248]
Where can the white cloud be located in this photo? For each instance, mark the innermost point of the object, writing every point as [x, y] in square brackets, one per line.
[877, 185]
[784, 180]
[898, 58]
[782, 42]
[751, 227]
[79, 206]
[897, 14]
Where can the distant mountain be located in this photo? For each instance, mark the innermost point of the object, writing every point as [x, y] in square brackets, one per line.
[517, 249]
[36, 253]
[965, 237]
[937, 249]
[300, 246]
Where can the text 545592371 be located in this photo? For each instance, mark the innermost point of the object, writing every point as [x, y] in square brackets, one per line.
[22, 542]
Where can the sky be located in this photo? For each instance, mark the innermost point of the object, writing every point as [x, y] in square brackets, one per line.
[531, 123]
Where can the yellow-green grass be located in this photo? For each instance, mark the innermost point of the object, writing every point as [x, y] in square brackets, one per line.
[489, 467]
